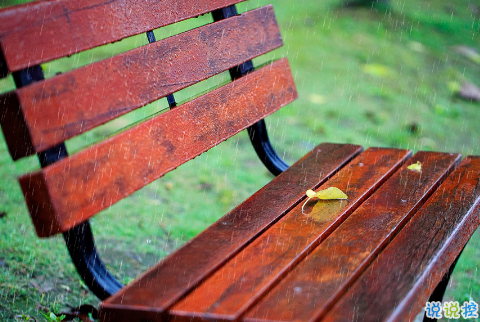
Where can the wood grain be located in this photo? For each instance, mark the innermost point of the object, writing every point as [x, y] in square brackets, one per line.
[41, 31]
[397, 284]
[318, 281]
[163, 285]
[67, 105]
[235, 287]
[82, 185]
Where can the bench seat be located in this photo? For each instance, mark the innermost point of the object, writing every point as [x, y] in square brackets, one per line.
[391, 241]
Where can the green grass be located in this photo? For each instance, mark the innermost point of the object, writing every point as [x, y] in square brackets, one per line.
[375, 78]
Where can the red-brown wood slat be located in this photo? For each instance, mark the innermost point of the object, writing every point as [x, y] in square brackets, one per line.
[41, 31]
[236, 286]
[396, 286]
[72, 190]
[163, 285]
[67, 105]
[318, 281]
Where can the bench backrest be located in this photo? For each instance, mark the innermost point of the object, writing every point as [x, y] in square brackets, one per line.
[42, 113]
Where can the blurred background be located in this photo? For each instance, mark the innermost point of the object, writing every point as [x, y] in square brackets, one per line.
[395, 73]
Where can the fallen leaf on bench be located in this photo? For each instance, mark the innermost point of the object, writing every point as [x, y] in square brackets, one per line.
[415, 167]
[331, 193]
[327, 194]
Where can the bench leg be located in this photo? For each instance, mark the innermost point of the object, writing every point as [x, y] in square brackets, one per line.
[79, 240]
[81, 246]
[439, 291]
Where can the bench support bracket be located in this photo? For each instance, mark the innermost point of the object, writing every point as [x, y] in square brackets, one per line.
[258, 131]
[79, 240]
[81, 246]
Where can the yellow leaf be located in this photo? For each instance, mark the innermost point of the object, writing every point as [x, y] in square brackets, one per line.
[331, 193]
[310, 193]
[327, 194]
[415, 167]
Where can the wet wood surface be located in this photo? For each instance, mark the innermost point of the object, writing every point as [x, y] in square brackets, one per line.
[41, 31]
[235, 287]
[397, 284]
[85, 183]
[381, 263]
[163, 285]
[323, 277]
[49, 112]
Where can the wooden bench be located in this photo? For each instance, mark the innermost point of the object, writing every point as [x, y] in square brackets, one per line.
[377, 256]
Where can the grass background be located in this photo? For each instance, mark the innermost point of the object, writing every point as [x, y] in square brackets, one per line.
[370, 77]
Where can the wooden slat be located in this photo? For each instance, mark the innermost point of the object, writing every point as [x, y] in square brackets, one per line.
[152, 294]
[72, 103]
[82, 185]
[397, 284]
[318, 282]
[40, 31]
[235, 287]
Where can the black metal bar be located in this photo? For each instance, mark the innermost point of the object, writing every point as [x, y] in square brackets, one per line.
[171, 101]
[3, 66]
[439, 291]
[81, 246]
[28, 75]
[224, 13]
[79, 240]
[257, 132]
[170, 98]
[151, 36]
[265, 151]
[52, 155]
